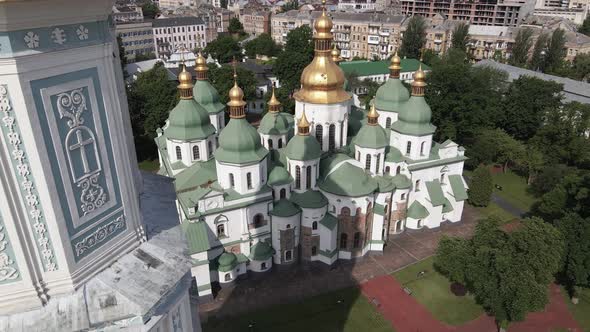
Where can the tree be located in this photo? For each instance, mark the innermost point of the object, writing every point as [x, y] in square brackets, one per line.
[481, 187]
[223, 4]
[150, 9]
[290, 5]
[414, 37]
[222, 79]
[570, 195]
[538, 58]
[585, 27]
[297, 55]
[460, 36]
[235, 26]
[548, 177]
[371, 90]
[428, 56]
[581, 68]
[555, 51]
[526, 104]
[522, 45]
[533, 161]
[262, 45]
[122, 56]
[452, 255]
[575, 269]
[224, 49]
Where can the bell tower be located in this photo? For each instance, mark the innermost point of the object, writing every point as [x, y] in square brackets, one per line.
[69, 183]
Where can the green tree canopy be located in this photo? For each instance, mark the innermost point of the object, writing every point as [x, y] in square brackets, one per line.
[414, 38]
[290, 5]
[460, 36]
[537, 61]
[222, 79]
[235, 26]
[495, 145]
[297, 55]
[149, 9]
[570, 195]
[580, 69]
[555, 51]
[575, 270]
[262, 45]
[585, 27]
[522, 45]
[224, 49]
[481, 186]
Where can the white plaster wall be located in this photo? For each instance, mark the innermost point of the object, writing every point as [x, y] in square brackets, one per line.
[218, 121]
[256, 266]
[384, 115]
[277, 191]
[351, 202]
[264, 139]
[280, 223]
[292, 168]
[361, 154]
[400, 141]
[186, 149]
[325, 115]
[257, 171]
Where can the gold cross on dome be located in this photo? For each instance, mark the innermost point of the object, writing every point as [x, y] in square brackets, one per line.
[234, 64]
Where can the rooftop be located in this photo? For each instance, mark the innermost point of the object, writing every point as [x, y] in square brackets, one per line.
[368, 68]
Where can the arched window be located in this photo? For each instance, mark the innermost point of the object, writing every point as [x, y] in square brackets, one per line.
[398, 170]
[332, 137]
[283, 193]
[258, 220]
[220, 230]
[288, 226]
[358, 211]
[210, 145]
[297, 177]
[377, 162]
[422, 148]
[232, 183]
[403, 197]
[319, 135]
[314, 250]
[417, 186]
[387, 169]
[408, 147]
[196, 153]
[343, 240]
[249, 180]
[178, 153]
[308, 177]
[388, 123]
[442, 178]
[227, 277]
[398, 226]
[269, 143]
[356, 241]
[288, 255]
[263, 266]
[314, 225]
[280, 143]
[345, 211]
[368, 162]
[419, 223]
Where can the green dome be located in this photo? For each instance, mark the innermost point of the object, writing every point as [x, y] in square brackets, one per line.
[303, 147]
[206, 95]
[188, 121]
[414, 118]
[284, 208]
[239, 143]
[391, 95]
[227, 261]
[349, 180]
[261, 251]
[279, 176]
[372, 137]
[275, 123]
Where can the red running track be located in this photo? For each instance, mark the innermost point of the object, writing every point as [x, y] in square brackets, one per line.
[407, 315]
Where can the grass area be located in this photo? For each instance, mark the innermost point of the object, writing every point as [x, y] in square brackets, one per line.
[149, 165]
[581, 311]
[494, 210]
[514, 190]
[319, 313]
[433, 291]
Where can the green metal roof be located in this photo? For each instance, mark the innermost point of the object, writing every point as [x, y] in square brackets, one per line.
[391, 95]
[196, 175]
[310, 199]
[329, 221]
[394, 155]
[196, 236]
[349, 180]
[279, 176]
[385, 183]
[401, 181]
[371, 137]
[261, 251]
[414, 118]
[458, 187]
[417, 211]
[206, 95]
[188, 121]
[328, 163]
[303, 147]
[367, 68]
[284, 208]
[275, 123]
[227, 261]
[239, 143]
[379, 209]
[447, 206]
[437, 197]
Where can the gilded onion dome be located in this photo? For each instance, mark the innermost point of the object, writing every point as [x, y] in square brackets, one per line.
[393, 93]
[322, 81]
[203, 92]
[415, 116]
[188, 120]
[335, 53]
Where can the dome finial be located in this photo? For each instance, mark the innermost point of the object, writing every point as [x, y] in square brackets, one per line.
[186, 83]
[372, 116]
[335, 54]
[418, 84]
[395, 67]
[236, 98]
[303, 125]
[274, 105]
[201, 67]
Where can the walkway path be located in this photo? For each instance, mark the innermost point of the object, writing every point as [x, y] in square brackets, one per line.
[507, 206]
[406, 314]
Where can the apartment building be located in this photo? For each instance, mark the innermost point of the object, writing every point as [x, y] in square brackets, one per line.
[175, 32]
[171, 4]
[360, 5]
[123, 14]
[477, 12]
[255, 21]
[223, 18]
[136, 38]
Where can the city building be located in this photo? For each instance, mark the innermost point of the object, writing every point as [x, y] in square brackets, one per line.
[576, 15]
[255, 21]
[360, 5]
[82, 246]
[490, 42]
[172, 4]
[265, 79]
[124, 14]
[136, 38]
[478, 12]
[172, 33]
[333, 186]
[223, 18]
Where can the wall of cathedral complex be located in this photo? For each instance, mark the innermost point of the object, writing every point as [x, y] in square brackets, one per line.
[272, 142]
[245, 179]
[304, 173]
[329, 122]
[189, 152]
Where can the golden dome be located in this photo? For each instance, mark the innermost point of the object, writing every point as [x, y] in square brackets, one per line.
[335, 53]
[419, 77]
[323, 26]
[396, 62]
[303, 125]
[186, 83]
[372, 116]
[273, 103]
[236, 96]
[201, 64]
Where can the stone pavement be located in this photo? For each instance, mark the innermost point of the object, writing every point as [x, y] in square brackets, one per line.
[281, 286]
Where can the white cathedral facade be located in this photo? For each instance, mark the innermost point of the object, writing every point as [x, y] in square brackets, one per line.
[333, 182]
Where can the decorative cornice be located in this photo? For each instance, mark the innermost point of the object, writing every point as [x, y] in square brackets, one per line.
[8, 267]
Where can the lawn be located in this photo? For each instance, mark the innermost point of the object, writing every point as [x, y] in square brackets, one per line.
[149, 165]
[514, 190]
[581, 311]
[494, 210]
[319, 313]
[433, 291]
